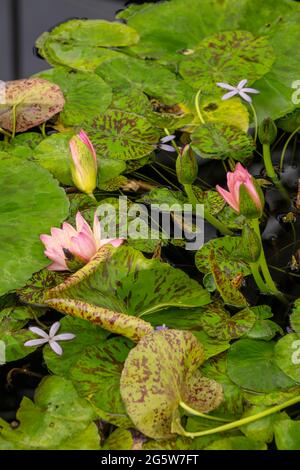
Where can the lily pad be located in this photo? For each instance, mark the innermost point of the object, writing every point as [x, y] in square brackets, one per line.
[287, 356]
[96, 376]
[159, 373]
[224, 249]
[252, 365]
[226, 57]
[24, 202]
[220, 141]
[287, 435]
[86, 94]
[35, 101]
[155, 80]
[48, 424]
[122, 135]
[218, 323]
[82, 44]
[236, 443]
[123, 280]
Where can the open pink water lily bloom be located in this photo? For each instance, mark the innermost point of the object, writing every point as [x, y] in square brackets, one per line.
[52, 338]
[240, 176]
[82, 242]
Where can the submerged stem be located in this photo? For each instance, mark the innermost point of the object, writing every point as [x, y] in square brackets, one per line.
[190, 410]
[255, 121]
[285, 148]
[247, 420]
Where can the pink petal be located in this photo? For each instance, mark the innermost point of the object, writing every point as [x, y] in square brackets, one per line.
[242, 84]
[225, 86]
[56, 348]
[85, 139]
[82, 225]
[228, 198]
[39, 332]
[75, 156]
[69, 230]
[64, 337]
[229, 95]
[57, 267]
[97, 231]
[36, 342]
[54, 329]
[112, 241]
[83, 246]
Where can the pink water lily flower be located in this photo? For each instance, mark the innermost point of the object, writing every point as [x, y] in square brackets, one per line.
[82, 242]
[84, 165]
[240, 176]
[52, 338]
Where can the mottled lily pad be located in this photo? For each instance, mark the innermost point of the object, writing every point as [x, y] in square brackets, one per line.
[218, 323]
[226, 57]
[219, 141]
[122, 135]
[123, 280]
[159, 373]
[35, 101]
[96, 376]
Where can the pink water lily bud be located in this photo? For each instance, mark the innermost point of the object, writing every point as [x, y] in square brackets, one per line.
[243, 192]
[82, 242]
[84, 163]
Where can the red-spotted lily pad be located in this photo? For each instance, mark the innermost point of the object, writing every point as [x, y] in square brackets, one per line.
[33, 101]
[159, 374]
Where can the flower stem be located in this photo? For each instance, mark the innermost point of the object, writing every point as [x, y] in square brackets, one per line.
[257, 278]
[190, 410]
[207, 216]
[255, 121]
[2, 131]
[262, 262]
[272, 173]
[285, 148]
[247, 420]
[197, 105]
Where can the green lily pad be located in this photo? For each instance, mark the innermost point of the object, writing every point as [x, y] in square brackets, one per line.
[35, 100]
[236, 443]
[155, 80]
[287, 355]
[120, 439]
[96, 376]
[86, 94]
[263, 328]
[252, 365]
[28, 192]
[159, 373]
[82, 44]
[262, 429]
[122, 135]
[295, 317]
[48, 424]
[226, 57]
[123, 280]
[287, 435]
[53, 153]
[212, 346]
[219, 141]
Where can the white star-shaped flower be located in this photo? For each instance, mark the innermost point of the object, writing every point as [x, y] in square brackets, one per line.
[52, 338]
[238, 90]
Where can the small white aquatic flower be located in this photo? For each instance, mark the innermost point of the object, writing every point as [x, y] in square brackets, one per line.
[238, 90]
[163, 143]
[52, 338]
